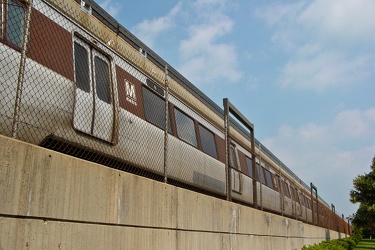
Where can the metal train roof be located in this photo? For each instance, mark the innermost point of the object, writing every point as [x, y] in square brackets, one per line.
[115, 26]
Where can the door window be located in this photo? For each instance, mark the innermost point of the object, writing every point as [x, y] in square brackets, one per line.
[81, 63]
[12, 22]
[102, 79]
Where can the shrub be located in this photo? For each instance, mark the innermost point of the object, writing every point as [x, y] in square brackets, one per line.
[340, 244]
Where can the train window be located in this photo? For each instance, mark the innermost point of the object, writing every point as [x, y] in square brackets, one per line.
[249, 165]
[102, 79]
[286, 189]
[154, 108]
[12, 23]
[185, 128]
[208, 141]
[81, 61]
[268, 178]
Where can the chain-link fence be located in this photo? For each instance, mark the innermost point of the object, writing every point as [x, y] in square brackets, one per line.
[72, 83]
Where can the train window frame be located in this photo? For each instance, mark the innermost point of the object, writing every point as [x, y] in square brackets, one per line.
[208, 141]
[14, 41]
[151, 111]
[185, 125]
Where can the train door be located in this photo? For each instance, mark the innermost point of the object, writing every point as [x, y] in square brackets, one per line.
[94, 104]
[276, 180]
[281, 193]
[298, 204]
[236, 174]
[295, 201]
[287, 198]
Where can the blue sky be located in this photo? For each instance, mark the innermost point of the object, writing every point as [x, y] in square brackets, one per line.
[302, 71]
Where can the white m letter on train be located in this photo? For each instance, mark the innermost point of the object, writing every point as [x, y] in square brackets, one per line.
[130, 93]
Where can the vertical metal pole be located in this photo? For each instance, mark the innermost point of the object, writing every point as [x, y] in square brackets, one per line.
[227, 148]
[166, 123]
[17, 104]
[282, 195]
[260, 179]
[317, 206]
[313, 187]
[253, 162]
[343, 218]
[312, 204]
[349, 233]
[333, 216]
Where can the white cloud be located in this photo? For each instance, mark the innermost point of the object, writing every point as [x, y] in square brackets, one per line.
[279, 14]
[355, 123]
[330, 155]
[283, 18]
[112, 8]
[325, 69]
[349, 21]
[330, 43]
[148, 30]
[205, 3]
[204, 58]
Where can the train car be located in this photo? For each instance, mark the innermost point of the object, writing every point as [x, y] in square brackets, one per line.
[74, 80]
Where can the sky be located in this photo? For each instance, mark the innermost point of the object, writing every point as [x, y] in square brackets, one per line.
[302, 71]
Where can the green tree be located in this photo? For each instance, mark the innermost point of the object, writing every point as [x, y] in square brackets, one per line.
[364, 193]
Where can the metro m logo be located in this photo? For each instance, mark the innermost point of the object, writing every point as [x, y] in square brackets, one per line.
[130, 92]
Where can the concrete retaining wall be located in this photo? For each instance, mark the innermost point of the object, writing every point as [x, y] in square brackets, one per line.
[52, 201]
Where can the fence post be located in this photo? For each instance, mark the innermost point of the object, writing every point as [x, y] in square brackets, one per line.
[21, 72]
[228, 182]
[333, 208]
[166, 123]
[313, 187]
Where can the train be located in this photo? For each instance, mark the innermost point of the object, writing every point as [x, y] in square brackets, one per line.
[74, 80]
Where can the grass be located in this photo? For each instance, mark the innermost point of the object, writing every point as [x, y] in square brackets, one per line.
[365, 244]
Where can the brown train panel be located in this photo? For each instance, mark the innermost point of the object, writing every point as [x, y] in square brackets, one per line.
[126, 96]
[220, 144]
[46, 36]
